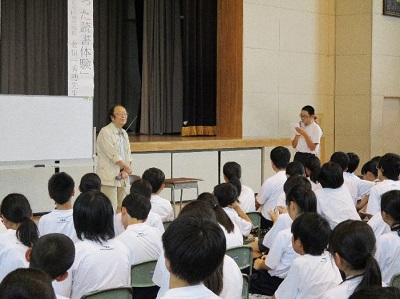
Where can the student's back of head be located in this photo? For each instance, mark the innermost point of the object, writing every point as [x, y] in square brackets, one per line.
[390, 207]
[294, 181]
[295, 168]
[369, 170]
[141, 187]
[93, 217]
[302, 196]
[233, 172]
[194, 248]
[53, 254]
[155, 177]
[16, 210]
[280, 157]
[354, 242]
[27, 284]
[389, 164]
[313, 231]
[226, 194]
[331, 175]
[312, 167]
[340, 158]
[376, 293]
[90, 182]
[61, 187]
[354, 161]
[136, 206]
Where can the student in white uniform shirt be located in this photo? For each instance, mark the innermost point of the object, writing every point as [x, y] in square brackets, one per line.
[363, 186]
[294, 168]
[352, 246]
[314, 272]
[388, 245]
[334, 199]
[273, 268]
[27, 284]
[231, 230]
[61, 190]
[226, 195]
[142, 240]
[369, 173]
[378, 225]
[272, 188]
[232, 174]
[54, 254]
[159, 205]
[101, 261]
[312, 167]
[21, 233]
[389, 171]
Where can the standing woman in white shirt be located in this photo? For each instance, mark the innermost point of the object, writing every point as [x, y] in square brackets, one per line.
[232, 174]
[21, 233]
[352, 246]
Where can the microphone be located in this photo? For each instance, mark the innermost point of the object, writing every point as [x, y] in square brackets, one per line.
[131, 123]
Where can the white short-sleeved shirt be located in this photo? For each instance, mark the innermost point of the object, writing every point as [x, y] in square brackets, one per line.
[343, 290]
[374, 201]
[357, 187]
[283, 222]
[12, 253]
[379, 226]
[309, 277]
[198, 291]
[336, 205]
[143, 242]
[58, 221]
[2, 227]
[314, 186]
[314, 131]
[281, 254]
[243, 225]
[153, 220]
[99, 266]
[60, 297]
[232, 278]
[271, 191]
[162, 207]
[234, 238]
[247, 200]
[387, 254]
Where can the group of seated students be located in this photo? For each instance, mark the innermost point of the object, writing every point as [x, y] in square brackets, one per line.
[330, 234]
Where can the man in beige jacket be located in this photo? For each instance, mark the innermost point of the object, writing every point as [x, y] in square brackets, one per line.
[114, 157]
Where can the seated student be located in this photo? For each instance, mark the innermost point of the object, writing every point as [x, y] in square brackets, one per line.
[377, 293]
[312, 273]
[90, 182]
[143, 188]
[159, 205]
[388, 245]
[194, 249]
[61, 190]
[389, 171]
[312, 167]
[294, 168]
[334, 199]
[21, 233]
[101, 262]
[369, 171]
[226, 281]
[363, 186]
[226, 195]
[142, 240]
[352, 246]
[27, 284]
[232, 233]
[273, 268]
[232, 174]
[54, 254]
[272, 188]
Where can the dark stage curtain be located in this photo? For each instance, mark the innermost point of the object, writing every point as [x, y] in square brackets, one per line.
[33, 47]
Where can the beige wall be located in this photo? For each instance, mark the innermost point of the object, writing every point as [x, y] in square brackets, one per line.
[289, 60]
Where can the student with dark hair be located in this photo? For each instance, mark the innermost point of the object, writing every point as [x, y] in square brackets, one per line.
[233, 235]
[307, 137]
[194, 248]
[27, 284]
[369, 171]
[97, 252]
[388, 244]
[295, 168]
[21, 233]
[334, 200]
[61, 190]
[341, 159]
[352, 246]
[90, 182]
[388, 172]
[354, 161]
[312, 167]
[232, 174]
[272, 188]
[227, 197]
[312, 273]
[159, 205]
[376, 293]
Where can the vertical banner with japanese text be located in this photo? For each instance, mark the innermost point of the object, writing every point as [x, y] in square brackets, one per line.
[80, 48]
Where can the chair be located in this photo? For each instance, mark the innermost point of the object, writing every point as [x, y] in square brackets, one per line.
[142, 274]
[255, 218]
[242, 256]
[116, 293]
[245, 289]
[166, 224]
[395, 281]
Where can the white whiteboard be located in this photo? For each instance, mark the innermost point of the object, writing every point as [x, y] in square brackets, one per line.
[36, 128]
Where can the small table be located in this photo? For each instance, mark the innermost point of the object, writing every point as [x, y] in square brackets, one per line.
[180, 184]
